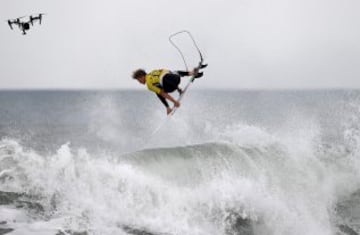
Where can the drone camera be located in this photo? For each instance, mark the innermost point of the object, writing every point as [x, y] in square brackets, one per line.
[26, 26]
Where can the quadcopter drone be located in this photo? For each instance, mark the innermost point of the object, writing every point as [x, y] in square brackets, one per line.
[25, 25]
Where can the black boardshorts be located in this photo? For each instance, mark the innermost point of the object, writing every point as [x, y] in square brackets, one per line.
[170, 82]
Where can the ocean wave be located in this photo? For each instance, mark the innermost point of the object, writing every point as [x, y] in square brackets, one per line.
[223, 187]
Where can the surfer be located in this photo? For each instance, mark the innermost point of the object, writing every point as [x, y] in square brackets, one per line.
[163, 82]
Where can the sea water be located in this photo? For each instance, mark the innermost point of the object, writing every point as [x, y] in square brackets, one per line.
[228, 162]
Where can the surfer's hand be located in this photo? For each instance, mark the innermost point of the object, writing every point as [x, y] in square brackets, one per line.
[177, 104]
[168, 110]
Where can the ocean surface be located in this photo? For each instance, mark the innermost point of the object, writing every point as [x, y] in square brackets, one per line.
[227, 163]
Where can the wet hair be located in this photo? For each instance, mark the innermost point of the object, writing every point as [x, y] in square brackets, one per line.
[138, 73]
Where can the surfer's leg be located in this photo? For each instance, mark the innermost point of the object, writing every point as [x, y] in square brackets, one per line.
[163, 100]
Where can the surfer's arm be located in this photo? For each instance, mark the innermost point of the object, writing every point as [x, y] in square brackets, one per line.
[169, 97]
[163, 100]
[162, 96]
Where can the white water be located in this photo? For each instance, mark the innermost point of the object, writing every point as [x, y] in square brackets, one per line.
[234, 163]
[283, 184]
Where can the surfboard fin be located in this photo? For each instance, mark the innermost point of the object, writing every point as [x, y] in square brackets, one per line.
[203, 66]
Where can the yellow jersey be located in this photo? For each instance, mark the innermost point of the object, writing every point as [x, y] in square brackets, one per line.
[153, 80]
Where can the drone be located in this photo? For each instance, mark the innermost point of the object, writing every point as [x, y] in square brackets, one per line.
[25, 25]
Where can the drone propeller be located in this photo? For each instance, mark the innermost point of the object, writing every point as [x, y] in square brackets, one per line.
[16, 19]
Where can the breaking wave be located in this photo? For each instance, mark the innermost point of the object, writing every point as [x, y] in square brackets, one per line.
[249, 183]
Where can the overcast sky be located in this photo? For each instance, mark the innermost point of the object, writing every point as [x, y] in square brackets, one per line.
[249, 44]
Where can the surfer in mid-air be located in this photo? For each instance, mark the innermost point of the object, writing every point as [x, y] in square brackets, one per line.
[163, 82]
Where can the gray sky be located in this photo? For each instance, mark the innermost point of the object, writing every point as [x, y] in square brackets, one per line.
[247, 43]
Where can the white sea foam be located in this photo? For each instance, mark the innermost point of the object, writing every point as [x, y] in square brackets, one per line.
[210, 169]
[280, 187]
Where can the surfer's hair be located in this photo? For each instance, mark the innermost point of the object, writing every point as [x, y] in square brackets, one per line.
[138, 73]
